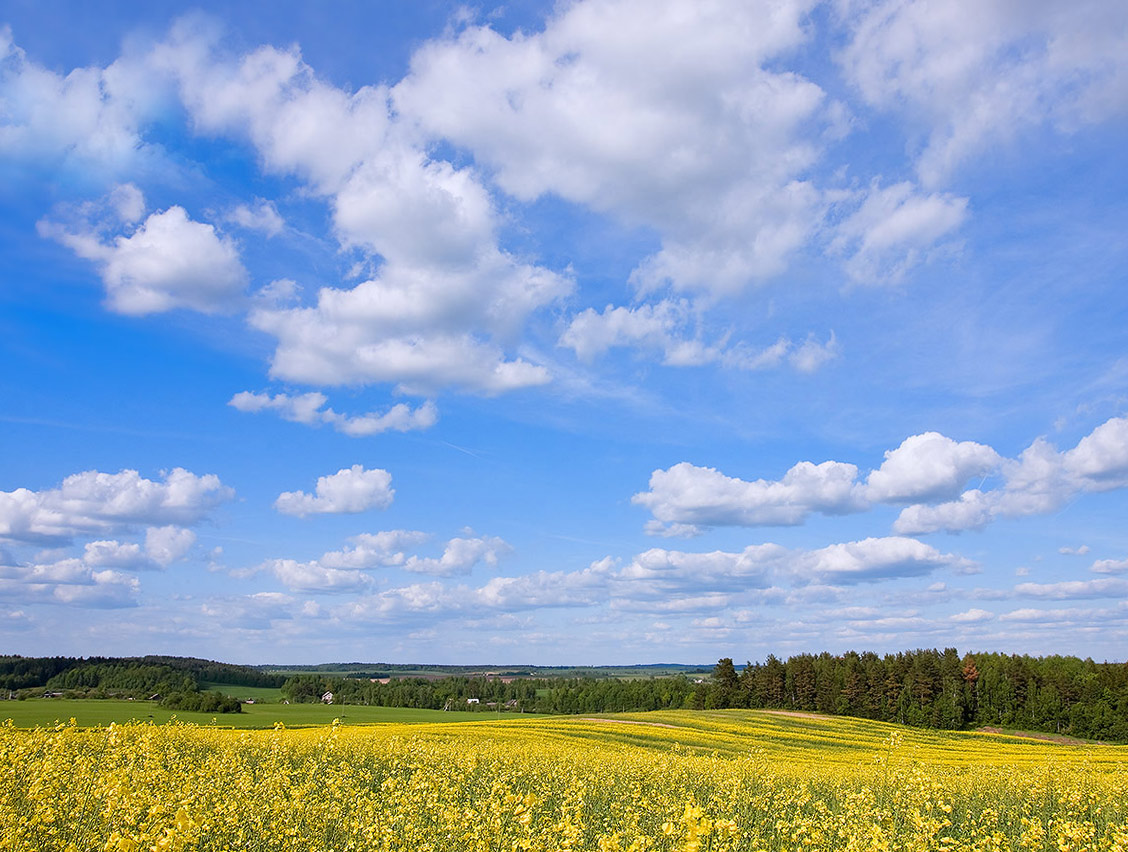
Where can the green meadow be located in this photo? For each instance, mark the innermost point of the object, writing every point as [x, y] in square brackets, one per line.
[45, 712]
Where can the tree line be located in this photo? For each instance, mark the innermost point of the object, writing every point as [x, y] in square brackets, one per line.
[175, 681]
[18, 672]
[528, 695]
[936, 689]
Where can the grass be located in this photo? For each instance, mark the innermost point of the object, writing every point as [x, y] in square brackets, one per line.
[94, 712]
[258, 693]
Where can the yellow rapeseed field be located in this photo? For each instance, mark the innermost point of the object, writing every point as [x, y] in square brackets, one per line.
[729, 780]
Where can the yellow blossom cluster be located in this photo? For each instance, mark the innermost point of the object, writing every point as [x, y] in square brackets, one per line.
[693, 782]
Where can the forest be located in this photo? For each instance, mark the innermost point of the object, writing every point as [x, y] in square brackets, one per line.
[937, 689]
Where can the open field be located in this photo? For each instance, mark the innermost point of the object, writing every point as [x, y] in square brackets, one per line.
[258, 693]
[91, 712]
[721, 781]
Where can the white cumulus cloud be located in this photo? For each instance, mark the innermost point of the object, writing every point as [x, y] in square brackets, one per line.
[96, 502]
[460, 556]
[708, 147]
[170, 261]
[1040, 480]
[929, 466]
[349, 490]
[165, 545]
[691, 495]
[446, 299]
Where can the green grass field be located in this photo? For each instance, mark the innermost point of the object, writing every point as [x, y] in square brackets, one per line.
[258, 693]
[91, 712]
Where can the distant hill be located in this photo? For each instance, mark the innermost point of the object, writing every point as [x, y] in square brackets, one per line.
[400, 670]
[133, 675]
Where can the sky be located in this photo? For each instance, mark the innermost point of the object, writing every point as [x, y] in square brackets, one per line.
[595, 332]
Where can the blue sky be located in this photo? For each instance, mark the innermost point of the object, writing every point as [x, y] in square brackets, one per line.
[593, 332]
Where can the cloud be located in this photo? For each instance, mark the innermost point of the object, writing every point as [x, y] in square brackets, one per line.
[657, 326]
[114, 554]
[343, 571]
[165, 545]
[1074, 551]
[262, 217]
[73, 582]
[663, 572]
[690, 495]
[1102, 588]
[929, 466]
[810, 355]
[1039, 481]
[348, 491]
[665, 581]
[460, 556]
[314, 577]
[335, 346]
[893, 230]
[709, 147]
[974, 74]
[446, 298]
[92, 502]
[973, 510]
[664, 327]
[258, 611]
[102, 564]
[1110, 566]
[506, 594]
[301, 408]
[308, 408]
[89, 119]
[1074, 615]
[169, 261]
[372, 550]
[1100, 459]
[972, 616]
[686, 498]
[876, 559]
[279, 292]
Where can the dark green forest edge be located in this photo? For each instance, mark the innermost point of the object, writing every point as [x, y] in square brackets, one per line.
[925, 688]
